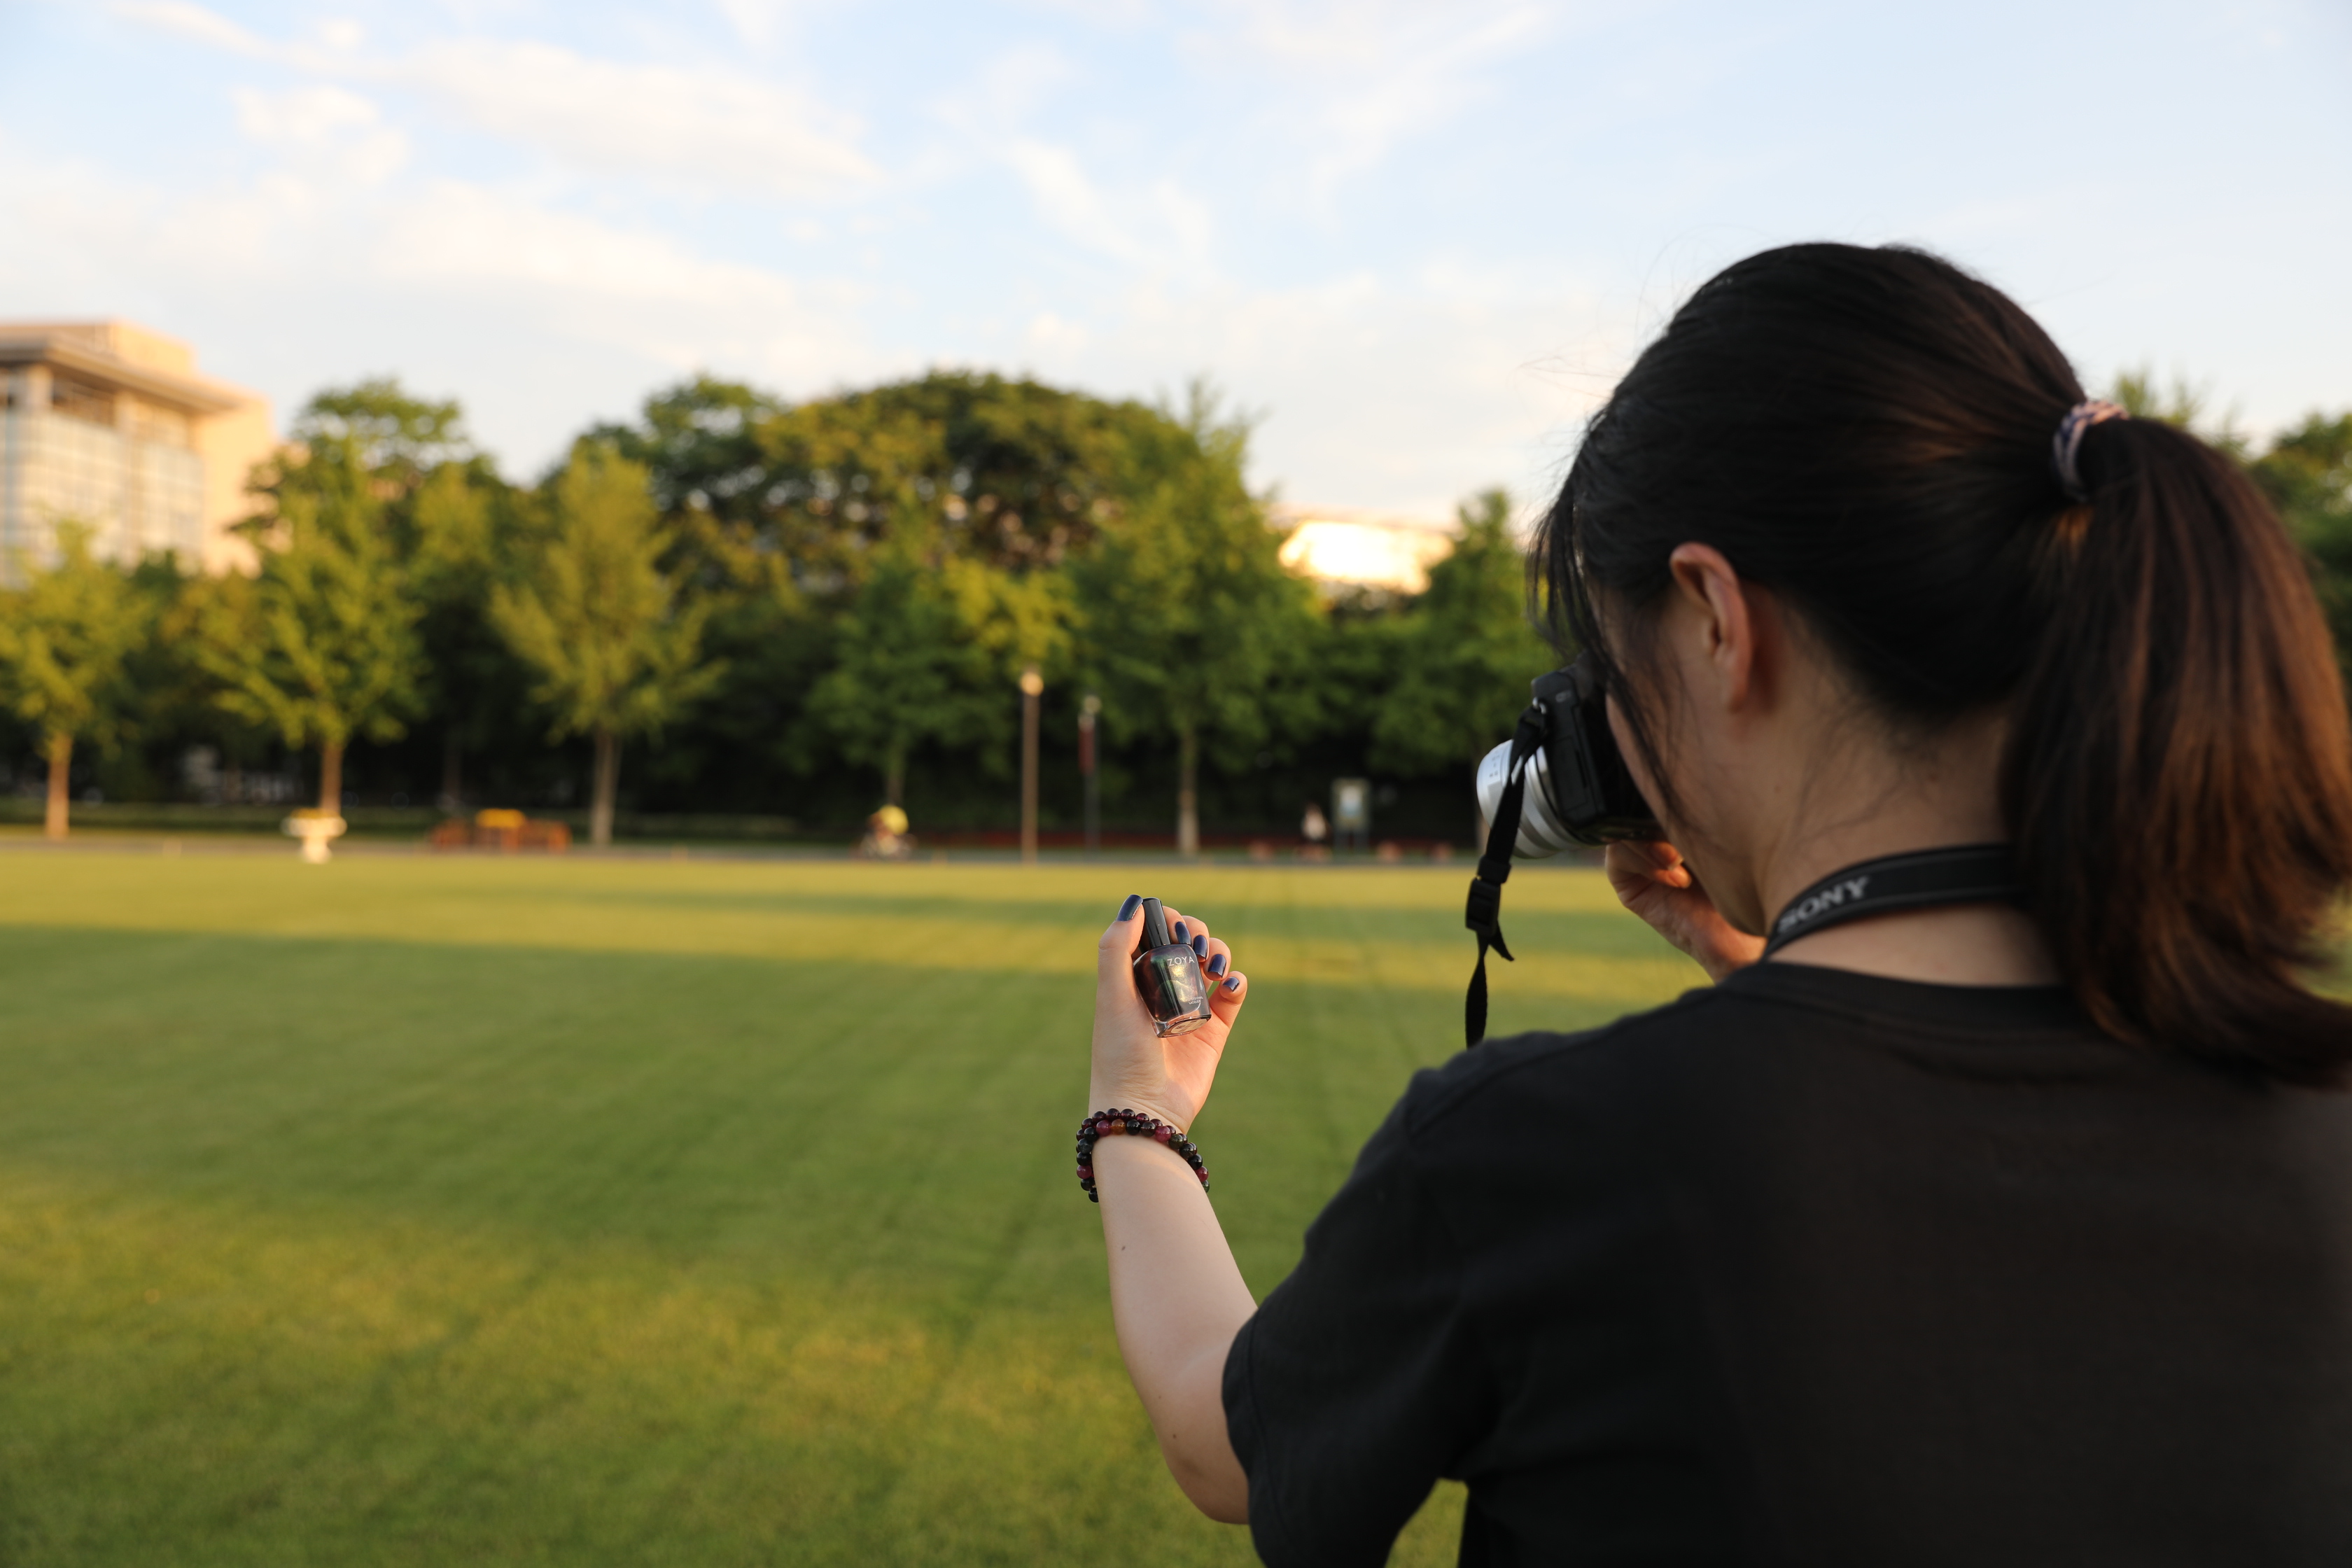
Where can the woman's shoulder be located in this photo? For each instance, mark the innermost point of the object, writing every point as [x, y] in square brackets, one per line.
[1774, 1034]
[1544, 1065]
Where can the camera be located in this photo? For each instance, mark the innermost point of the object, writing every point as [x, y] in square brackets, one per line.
[1584, 793]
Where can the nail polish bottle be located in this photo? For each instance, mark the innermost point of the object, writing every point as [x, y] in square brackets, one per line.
[1168, 976]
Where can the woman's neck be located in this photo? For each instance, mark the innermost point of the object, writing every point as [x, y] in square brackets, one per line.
[1918, 799]
[1957, 945]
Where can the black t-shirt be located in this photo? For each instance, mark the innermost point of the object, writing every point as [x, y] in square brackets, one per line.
[1818, 1268]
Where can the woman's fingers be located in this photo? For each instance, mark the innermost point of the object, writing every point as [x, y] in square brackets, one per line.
[1636, 869]
[1216, 958]
[1121, 939]
[1124, 927]
[1184, 927]
[1652, 881]
[1226, 996]
[1665, 861]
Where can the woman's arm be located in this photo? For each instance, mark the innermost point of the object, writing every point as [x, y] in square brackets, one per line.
[1176, 1294]
[1177, 1299]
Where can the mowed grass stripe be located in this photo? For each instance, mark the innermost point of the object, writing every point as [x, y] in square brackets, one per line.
[1578, 944]
[582, 1212]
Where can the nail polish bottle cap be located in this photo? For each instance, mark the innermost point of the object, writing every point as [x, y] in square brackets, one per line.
[1155, 925]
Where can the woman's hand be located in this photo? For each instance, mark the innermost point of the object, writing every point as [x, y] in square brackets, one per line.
[1134, 1068]
[1652, 881]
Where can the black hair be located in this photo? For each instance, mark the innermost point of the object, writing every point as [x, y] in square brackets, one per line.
[1866, 433]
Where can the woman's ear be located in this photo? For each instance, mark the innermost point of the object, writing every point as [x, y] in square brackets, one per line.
[1719, 619]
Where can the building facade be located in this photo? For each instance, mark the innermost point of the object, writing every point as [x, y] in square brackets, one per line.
[1350, 547]
[107, 423]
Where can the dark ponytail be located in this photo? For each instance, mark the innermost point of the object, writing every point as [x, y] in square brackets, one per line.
[1868, 433]
[2180, 779]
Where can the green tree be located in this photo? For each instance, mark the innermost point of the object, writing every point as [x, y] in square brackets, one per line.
[2182, 404]
[906, 673]
[1468, 650]
[701, 445]
[928, 653]
[65, 637]
[1192, 627]
[958, 465]
[781, 513]
[449, 520]
[459, 545]
[398, 439]
[2307, 474]
[324, 649]
[614, 648]
[176, 675]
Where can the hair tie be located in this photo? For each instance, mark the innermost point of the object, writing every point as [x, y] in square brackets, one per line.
[2067, 445]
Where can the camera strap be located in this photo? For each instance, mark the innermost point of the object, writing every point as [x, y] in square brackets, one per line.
[1484, 915]
[1965, 874]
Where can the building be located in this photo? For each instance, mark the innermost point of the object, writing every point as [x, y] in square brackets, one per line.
[1345, 546]
[111, 425]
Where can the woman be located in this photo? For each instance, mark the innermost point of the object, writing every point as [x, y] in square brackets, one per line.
[1996, 1232]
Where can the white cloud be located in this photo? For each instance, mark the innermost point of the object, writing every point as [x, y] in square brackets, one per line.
[520, 288]
[1013, 84]
[706, 129]
[1408, 388]
[701, 131]
[1160, 230]
[760, 22]
[1373, 395]
[472, 236]
[327, 130]
[191, 21]
[1382, 71]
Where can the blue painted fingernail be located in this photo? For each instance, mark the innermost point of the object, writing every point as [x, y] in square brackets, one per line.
[1200, 945]
[1127, 911]
[1234, 983]
[1217, 964]
[1183, 931]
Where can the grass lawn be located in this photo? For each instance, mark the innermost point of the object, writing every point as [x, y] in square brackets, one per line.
[430, 1211]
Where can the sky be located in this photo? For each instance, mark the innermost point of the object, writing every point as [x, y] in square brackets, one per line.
[1416, 242]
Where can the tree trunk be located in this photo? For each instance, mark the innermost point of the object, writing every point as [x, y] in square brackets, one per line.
[608, 783]
[453, 782]
[331, 777]
[53, 826]
[1188, 795]
[894, 776]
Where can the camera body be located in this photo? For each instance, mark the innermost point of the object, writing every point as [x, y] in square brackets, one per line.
[1583, 794]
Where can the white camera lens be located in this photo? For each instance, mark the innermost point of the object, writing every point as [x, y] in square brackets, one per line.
[1540, 834]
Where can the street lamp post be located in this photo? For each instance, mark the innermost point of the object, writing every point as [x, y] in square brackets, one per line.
[1032, 686]
[1086, 711]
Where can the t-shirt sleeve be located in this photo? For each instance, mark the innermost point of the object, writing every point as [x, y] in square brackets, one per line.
[1359, 1380]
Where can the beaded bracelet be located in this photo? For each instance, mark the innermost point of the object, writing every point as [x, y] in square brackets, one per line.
[1133, 1123]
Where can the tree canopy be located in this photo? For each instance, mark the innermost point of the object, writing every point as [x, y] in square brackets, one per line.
[805, 608]
[1191, 627]
[1469, 649]
[324, 649]
[2307, 474]
[66, 637]
[613, 649]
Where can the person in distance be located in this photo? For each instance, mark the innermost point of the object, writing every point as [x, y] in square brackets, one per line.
[2007, 1232]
